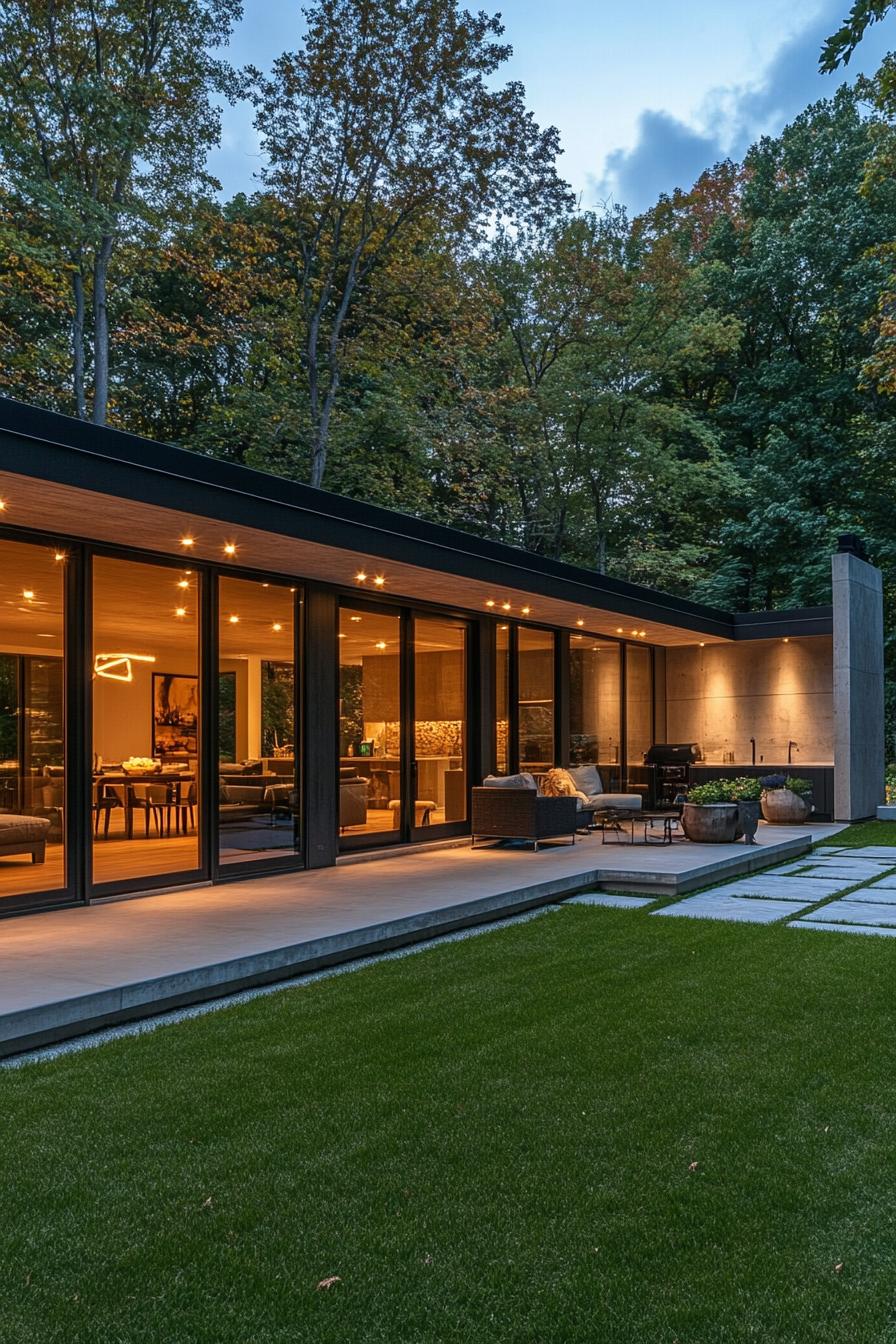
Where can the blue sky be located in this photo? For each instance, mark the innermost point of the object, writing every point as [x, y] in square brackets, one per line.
[645, 95]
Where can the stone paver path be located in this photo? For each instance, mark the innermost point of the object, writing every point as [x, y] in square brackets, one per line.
[846, 890]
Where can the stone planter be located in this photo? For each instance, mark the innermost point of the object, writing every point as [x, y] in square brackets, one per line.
[709, 823]
[785, 808]
[748, 819]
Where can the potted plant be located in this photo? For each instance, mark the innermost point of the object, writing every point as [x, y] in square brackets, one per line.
[786, 799]
[709, 816]
[746, 792]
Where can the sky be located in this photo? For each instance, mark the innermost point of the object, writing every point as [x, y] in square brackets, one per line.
[645, 96]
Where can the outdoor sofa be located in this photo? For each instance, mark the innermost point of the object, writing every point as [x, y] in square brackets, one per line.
[510, 807]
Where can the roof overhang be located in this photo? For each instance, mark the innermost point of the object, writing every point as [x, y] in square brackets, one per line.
[80, 481]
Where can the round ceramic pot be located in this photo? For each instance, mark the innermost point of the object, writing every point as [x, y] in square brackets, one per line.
[748, 819]
[709, 823]
[784, 807]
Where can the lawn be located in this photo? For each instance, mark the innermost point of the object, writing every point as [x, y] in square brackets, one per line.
[595, 1126]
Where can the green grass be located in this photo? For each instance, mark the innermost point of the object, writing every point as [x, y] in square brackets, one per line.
[489, 1141]
[864, 833]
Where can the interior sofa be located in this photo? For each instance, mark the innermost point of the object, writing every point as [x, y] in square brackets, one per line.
[510, 807]
[352, 798]
[23, 835]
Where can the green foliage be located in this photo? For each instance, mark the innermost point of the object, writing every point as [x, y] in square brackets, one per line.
[713, 791]
[795, 784]
[840, 45]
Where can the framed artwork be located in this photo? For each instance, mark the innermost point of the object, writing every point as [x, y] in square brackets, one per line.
[175, 715]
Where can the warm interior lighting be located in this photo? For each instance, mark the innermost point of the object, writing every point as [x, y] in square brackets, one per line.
[60, 555]
[580, 622]
[702, 645]
[117, 666]
[642, 633]
[2, 505]
[490, 602]
[180, 611]
[28, 594]
[505, 606]
[361, 576]
[526, 610]
[381, 644]
[183, 583]
[786, 639]
[188, 542]
[341, 635]
[277, 627]
[234, 620]
[379, 580]
[230, 548]
[619, 630]
[354, 618]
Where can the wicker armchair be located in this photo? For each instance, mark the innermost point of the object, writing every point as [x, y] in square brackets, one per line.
[522, 814]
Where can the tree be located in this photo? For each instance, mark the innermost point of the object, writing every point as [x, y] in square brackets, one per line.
[384, 115]
[841, 45]
[106, 115]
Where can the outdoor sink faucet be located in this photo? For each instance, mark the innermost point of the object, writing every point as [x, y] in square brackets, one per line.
[790, 747]
[753, 749]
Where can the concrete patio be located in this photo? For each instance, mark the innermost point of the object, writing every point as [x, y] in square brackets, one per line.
[69, 971]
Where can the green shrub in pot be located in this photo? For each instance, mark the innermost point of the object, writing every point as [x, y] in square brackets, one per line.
[713, 791]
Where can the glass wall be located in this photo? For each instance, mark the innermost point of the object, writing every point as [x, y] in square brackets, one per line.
[145, 789]
[440, 721]
[32, 760]
[595, 706]
[258, 794]
[535, 700]
[638, 702]
[370, 716]
[502, 700]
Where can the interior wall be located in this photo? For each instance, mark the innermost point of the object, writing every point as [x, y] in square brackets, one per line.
[722, 695]
[122, 710]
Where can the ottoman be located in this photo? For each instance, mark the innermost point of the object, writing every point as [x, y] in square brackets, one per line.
[23, 835]
[423, 811]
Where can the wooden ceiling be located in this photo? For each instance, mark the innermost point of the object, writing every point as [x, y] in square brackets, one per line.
[68, 512]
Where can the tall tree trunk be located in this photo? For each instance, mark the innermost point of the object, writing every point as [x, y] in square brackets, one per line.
[78, 342]
[101, 333]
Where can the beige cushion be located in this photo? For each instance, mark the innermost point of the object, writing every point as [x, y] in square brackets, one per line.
[587, 779]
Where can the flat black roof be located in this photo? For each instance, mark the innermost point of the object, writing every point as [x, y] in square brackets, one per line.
[46, 445]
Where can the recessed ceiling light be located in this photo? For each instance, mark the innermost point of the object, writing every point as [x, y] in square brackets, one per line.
[381, 644]
[188, 541]
[183, 583]
[580, 622]
[490, 602]
[786, 639]
[505, 606]
[230, 548]
[60, 555]
[341, 635]
[180, 611]
[361, 576]
[619, 629]
[642, 633]
[45, 636]
[28, 594]
[354, 618]
[702, 645]
[2, 505]
[234, 620]
[277, 627]
[379, 580]
[526, 610]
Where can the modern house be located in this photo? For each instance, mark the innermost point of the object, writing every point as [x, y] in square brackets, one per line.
[207, 672]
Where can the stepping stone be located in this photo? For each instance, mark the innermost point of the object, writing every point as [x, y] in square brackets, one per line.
[739, 910]
[764, 885]
[851, 911]
[855, 872]
[887, 852]
[807, 923]
[888, 883]
[609, 898]
[878, 892]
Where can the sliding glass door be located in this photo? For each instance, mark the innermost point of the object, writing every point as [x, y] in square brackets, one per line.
[439, 766]
[403, 725]
[258, 782]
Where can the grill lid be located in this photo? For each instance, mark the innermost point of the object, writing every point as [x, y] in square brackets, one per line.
[672, 753]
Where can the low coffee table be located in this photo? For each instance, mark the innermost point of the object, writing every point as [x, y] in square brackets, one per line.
[618, 820]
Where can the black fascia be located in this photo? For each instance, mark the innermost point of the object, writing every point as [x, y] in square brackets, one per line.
[48, 446]
[800, 621]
